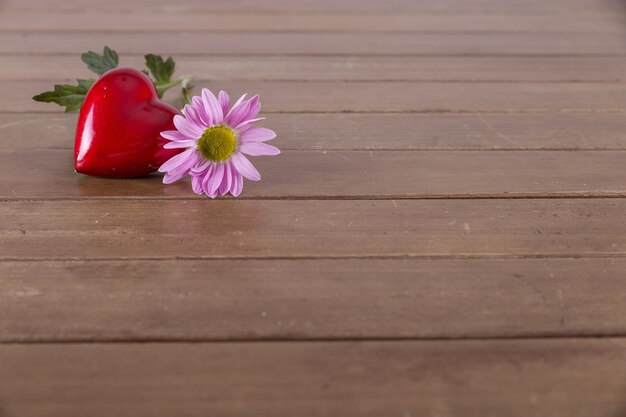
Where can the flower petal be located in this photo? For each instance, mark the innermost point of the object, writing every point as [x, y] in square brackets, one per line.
[198, 105]
[245, 167]
[196, 118]
[258, 149]
[237, 186]
[235, 108]
[207, 178]
[180, 171]
[180, 144]
[238, 114]
[216, 179]
[226, 181]
[212, 107]
[224, 101]
[176, 160]
[174, 135]
[247, 123]
[257, 134]
[187, 127]
[237, 104]
[196, 184]
[170, 178]
[201, 168]
[255, 107]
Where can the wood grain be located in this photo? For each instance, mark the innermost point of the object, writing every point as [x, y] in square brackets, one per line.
[439, 182]
[354, 174]
[345, 68]
[205, 21]
[113, 229]
[310, 299]
[557, 8]
[264, 43]
[294, 96]
[375, 131]
[560, 378]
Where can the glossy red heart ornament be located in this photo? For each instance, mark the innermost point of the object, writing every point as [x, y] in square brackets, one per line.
[119, 126]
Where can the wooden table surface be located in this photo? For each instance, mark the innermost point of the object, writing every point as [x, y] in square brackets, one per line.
[444, 233]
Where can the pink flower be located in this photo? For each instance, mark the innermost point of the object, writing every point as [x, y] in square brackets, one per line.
[216, 137]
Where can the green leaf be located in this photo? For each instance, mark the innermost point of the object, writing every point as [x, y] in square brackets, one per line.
[161, 71]
[70, 96]
[101, 63]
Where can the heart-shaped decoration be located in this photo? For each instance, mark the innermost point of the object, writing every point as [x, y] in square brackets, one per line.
[119, 126]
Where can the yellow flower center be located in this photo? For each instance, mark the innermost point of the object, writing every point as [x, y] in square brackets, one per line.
[217, 143]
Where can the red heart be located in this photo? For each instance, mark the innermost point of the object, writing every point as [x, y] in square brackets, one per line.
[118, 132]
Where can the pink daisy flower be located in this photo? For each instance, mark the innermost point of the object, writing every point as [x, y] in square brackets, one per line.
[216, 137]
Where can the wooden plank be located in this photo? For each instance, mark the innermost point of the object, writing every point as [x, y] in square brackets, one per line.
[326, 96]
[204, 21]
[559, 378]
[345, 68]
[113, 229]
[263, 43]
[355, 174]
[561, 7]
[310, 299]
[346, 131]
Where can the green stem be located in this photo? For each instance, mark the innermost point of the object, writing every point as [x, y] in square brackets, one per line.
[187, 84]
[185, 81]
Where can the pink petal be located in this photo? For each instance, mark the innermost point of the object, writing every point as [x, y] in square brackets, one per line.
[235, 108]
[226, 181]
[196, 184]
[207, 178]
[237, 104]
[201, 168]
[224, 101]
[180, 144]
[258, 149]
[245, 126]
[174, 135]
[245, 167]
[190, 114]
[212, 107]
[216, 179]
[170, 178]
[247, 123]
[254, 106]
[237, 183]
[180, 171]
[176, 160]
[257, 134]
[198, 105]
[238, 114]
[186, 127]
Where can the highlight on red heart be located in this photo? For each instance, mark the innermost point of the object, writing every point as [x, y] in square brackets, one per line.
[126, 130]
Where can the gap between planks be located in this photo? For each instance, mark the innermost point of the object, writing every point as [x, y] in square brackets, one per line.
[247, 340]
[351, 175]
[355, 131]
[381, 97]
[346, 7]
[414, 257]
[182, 43]
[208, 22]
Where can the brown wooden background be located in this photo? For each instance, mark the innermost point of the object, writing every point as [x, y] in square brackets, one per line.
[443, 235]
